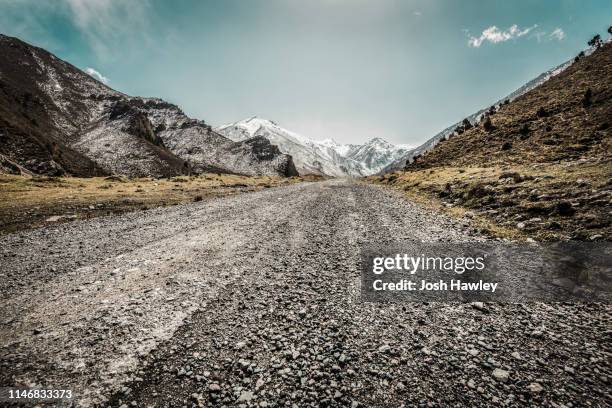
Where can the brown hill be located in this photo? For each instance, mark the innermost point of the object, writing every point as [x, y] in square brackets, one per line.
[540, 164]
[555, 121]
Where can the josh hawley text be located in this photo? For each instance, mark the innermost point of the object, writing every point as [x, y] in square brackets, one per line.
[441, 285]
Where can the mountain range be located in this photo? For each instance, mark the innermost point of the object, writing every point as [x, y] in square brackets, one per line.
[325, 157]
[56, 119]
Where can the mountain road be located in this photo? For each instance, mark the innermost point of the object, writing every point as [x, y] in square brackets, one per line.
[254, 300]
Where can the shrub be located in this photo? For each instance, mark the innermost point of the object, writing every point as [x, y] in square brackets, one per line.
[586, 99]
[595, 41]
[541, 113]
[564, 208]
[506, 146]
[466, 124]
[488, 126]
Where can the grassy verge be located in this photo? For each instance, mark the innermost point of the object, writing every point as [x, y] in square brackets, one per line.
[544, 201]
[29, 202]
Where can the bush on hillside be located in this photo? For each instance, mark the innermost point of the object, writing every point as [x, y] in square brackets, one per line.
[595, 41]
[586, 99]
[542, 113]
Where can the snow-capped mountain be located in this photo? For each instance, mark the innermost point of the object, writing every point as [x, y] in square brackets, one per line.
[325, 157]
[375, 154]
[56, 119]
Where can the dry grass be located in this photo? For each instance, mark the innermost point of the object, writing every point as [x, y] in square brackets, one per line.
[27, 202]
[519, 201]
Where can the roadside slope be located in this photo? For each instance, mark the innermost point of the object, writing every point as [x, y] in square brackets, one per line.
[540, 164]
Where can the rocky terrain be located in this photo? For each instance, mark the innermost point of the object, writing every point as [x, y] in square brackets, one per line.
[56, 119]
[540, 164]
[253, 300]
[326, 157]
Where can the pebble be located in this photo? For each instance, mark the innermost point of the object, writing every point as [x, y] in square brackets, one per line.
[501, 375]
[535, 388]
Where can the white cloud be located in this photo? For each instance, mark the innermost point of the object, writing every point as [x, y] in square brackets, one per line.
[107, 22]
[418, 13]
[96, 75]
[557, 34]
[494, 35]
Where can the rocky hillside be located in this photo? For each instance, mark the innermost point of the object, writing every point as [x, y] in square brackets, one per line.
[565, 118]
[540, 164]
[324, 157]
[401, 162]
[56, 119]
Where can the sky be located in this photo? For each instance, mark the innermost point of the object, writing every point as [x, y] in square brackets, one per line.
[349, 70]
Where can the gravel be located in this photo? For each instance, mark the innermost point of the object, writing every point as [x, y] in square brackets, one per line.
[253, 300]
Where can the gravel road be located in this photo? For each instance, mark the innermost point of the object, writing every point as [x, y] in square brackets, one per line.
[253, 300]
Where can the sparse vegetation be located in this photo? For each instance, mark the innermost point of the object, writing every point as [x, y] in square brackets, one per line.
[541, 113]
[544, 201]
